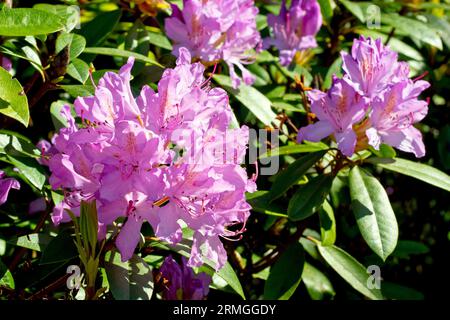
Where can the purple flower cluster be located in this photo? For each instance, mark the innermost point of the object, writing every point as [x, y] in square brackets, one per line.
[182, 282]
[217, 30]
[375, 102]
[163, 157]
[294, 29]
[6, 184]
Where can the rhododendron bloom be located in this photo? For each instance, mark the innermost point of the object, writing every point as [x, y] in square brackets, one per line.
[6, 184]
[181, 283]
[372, 67]
[160, 158]
[337, 110]
[394, 114]
[294, 29]
[217, 30]
[374, 103]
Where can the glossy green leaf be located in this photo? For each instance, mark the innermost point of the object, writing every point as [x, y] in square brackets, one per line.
[414, 28]
[79, 90]
[317, 284]
[28, 22]
[326, 7]
[29, 169]
[59, 249]
[406, 248]
[350, 270]
[293, 173]
[97, 30]
[13, 101]
[251, 98]
[398, 292]
[286, 274]
[79, 70]
[327, 224]
[374, 215]
[309, 197]
[15, 144]
[130, 280]
[75, 42]
[294, 149]
[416, 170]
[121, 53]
[69, 15]
[34, 241]
[6, 278]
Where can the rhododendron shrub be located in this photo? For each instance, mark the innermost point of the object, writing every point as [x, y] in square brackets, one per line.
[223, 150]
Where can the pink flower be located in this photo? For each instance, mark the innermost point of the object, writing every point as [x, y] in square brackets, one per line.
[372, 67]
[160, 158]
[6, 184]
[374, 103]
[337, 110]
[294, 29]
[217, 30]
[393, 115]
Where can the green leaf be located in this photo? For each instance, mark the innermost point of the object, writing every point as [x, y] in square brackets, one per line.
[327, 224]
[89, 224]
[13, 101]
[294, 172]
[294, 149]
[385, 151]
[317, 283]
[29, 169]
[251, 98]
[260, 202]
[309, 197]
[6, 278]
[414, 28]
[69, 15]
[228, 274]
[79, 90]
[398, 292]
[358, 9]
[33, 241]
[97, 30]
[28, 22]
[159, 39]
[350, 270]
[15, 144]
[122, 53]
[286, 274]
[130, 280]
[32, 56]
[374, 215]
[326, 7]
[407, 248]
[416, 170]
[76, 42]
[59, 249]
[79, 70]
